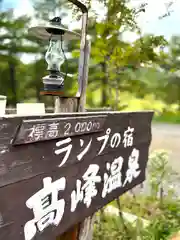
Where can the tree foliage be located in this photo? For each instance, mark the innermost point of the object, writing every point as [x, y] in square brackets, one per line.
[116, 65]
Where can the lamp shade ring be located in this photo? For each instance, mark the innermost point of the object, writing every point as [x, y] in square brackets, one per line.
[54, 28]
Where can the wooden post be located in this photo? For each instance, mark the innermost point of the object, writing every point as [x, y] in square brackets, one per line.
[84, 230]
[67, 105]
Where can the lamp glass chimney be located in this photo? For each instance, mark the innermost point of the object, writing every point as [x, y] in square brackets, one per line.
[55, 55]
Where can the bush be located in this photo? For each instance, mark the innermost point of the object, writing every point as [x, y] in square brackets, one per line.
[168, 117]
[161, 210]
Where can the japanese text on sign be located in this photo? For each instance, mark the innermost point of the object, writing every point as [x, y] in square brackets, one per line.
[49, 210]
[40, 130]
[65, 145]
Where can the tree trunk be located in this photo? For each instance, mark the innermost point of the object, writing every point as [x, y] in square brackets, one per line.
[38, 97]
[116, 99]
[104, 85]
[12, 73]
[179, 99]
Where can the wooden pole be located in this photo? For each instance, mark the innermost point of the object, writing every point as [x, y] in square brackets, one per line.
[84, 230]
[67, 105]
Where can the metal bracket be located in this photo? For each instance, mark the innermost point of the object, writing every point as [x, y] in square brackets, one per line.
[84, 53]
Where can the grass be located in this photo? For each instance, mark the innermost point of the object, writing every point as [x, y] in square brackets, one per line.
[162, 211]
[168, 117]
[162, 112]
[163, 219]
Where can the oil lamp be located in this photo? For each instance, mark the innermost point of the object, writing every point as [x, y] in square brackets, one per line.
[56, 34]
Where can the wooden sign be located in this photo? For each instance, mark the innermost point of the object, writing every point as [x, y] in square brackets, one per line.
[56, 170]
[48, 129]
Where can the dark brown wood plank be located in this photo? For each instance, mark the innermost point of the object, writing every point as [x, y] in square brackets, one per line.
[36, 130]
[23, 168]
[14, 197]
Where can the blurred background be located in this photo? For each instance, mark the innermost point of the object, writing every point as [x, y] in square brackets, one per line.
[134, 65]
[135, 53]
[134, 62]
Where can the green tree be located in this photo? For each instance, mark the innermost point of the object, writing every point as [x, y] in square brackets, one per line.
[115, 60]
[13, 42]
[47, 9]
[170, 64]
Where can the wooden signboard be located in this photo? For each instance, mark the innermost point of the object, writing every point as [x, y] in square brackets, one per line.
[56, 170]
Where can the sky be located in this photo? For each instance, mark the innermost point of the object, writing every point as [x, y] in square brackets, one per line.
[148, 21]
